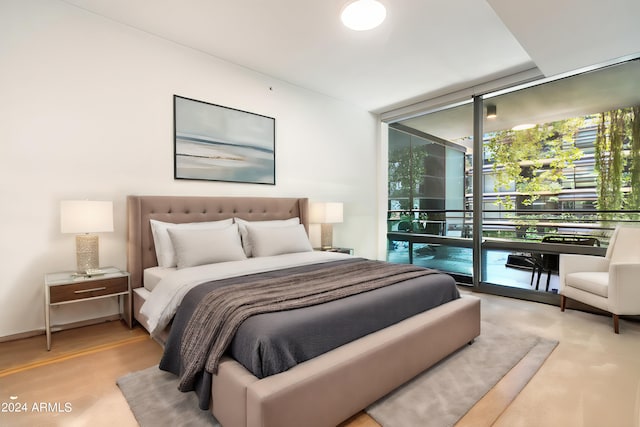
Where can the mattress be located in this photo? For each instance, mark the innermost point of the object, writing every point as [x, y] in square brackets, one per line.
[143, 293]
[152, 276]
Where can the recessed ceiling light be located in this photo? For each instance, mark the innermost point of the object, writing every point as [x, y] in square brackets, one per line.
[523, 126]
[362, 15]
[492, 112]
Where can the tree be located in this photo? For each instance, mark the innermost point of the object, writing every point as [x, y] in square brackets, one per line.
[406, 171]
[608, 160]
[533, 160]
[633, 201]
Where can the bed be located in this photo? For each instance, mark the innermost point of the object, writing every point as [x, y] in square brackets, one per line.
[324, 390]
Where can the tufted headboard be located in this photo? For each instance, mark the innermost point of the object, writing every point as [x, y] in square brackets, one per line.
[141, 252]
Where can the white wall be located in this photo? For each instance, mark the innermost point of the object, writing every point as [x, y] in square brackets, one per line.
[86, 112]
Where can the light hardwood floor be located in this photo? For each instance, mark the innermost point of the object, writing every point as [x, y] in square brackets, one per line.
[74, 383]
[591, 379]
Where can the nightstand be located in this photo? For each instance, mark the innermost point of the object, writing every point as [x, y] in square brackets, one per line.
[68, 287]
[348, 251]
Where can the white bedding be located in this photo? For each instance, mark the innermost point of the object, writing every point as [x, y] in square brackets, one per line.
[163, 302]
[152, 276]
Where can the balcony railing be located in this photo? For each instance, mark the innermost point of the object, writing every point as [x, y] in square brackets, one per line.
[515, 226]
[441, 239]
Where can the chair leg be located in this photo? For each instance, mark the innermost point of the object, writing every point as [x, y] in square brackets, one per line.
[548, 279]
[538, 280]
[533, 274]
[563, 302]
[616, 324]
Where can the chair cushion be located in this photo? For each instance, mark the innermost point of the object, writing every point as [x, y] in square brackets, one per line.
[591, 281]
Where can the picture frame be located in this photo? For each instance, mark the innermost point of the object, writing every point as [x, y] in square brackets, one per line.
[217, 143]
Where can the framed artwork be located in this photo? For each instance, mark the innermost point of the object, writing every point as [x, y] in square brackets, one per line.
[217, 143]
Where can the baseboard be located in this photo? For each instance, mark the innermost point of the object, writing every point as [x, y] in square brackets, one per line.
[72, 325]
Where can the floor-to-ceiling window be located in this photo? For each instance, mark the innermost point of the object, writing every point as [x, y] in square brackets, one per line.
[560, 168]
[428, 220]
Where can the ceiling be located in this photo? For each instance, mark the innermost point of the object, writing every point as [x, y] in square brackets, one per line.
[424, 49]
[588, 93]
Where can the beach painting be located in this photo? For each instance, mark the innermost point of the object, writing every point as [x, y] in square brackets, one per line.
[217, 143]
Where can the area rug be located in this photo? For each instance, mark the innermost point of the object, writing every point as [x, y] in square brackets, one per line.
[439, 397]
[443, 394]
[155, 400]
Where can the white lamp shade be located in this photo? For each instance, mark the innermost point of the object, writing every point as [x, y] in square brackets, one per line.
[86, 216]
[325, 213]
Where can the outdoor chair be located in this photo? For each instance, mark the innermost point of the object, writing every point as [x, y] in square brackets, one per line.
[548, 263]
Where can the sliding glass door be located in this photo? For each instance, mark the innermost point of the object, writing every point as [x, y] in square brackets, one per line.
[559, 167]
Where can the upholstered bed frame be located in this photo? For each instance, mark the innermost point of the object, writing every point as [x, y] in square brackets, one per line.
[330, 388]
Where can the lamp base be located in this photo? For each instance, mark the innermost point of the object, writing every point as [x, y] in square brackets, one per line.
[326, 236]
[87, 254]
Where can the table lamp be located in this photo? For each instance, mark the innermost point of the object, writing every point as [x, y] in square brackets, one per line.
[84, 217]
[326, 214]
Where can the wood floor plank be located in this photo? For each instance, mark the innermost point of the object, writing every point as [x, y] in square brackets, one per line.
[31, 350]
[361, 419]
[78, 390]
[74, 383]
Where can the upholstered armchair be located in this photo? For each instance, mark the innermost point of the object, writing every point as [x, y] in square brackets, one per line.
[611, 283]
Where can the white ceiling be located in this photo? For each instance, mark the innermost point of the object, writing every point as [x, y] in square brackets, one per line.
[424, 49]
[584, 94]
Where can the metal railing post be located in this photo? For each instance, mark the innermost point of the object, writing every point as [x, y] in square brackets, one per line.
[478, 155]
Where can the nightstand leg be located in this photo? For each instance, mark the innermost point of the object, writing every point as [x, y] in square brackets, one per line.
[47, 324]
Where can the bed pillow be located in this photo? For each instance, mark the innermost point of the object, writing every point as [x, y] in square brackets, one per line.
[165, 254]
[268, 241]
[242, 226]
[207, 246]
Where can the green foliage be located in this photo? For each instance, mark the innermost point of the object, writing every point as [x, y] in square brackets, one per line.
[406, 171]
[608, 160]
[533, 159]
[633, 201]
[617, 159]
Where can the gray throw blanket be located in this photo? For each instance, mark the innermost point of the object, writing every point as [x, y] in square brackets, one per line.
[221, 312]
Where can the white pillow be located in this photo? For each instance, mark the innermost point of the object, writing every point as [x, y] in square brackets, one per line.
[207, 246]
[242, 224]
[165, 254]
[268, 241]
